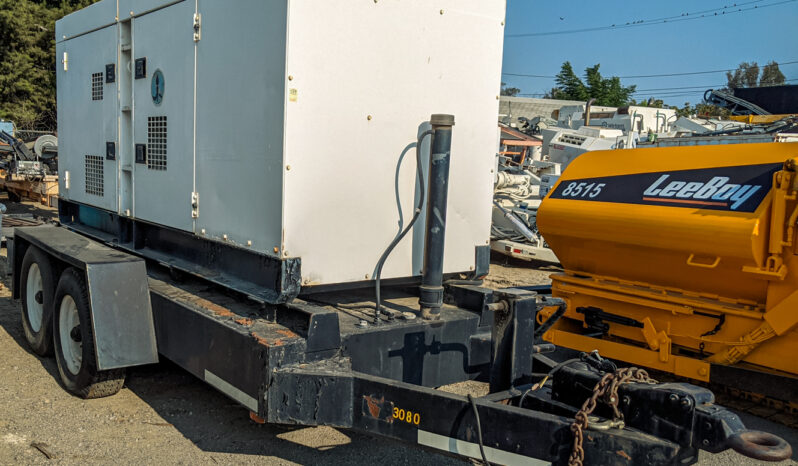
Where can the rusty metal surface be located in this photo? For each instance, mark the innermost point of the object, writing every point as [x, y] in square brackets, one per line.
[378, 408]
[253, 318]
[761, 446]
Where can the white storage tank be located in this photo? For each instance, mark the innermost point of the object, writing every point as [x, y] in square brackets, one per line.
[279, 126]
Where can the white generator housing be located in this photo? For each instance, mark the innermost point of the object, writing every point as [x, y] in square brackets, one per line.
[284, 126]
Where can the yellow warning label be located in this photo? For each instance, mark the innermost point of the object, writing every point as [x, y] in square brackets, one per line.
[292, 95]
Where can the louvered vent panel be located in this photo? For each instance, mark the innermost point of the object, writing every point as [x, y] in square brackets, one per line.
[97, 86]
[95, 176]
[156, 143]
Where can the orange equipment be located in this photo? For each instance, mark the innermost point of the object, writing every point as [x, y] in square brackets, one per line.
[681, 259]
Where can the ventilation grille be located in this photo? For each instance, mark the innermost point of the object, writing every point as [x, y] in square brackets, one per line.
[572, 139]
[97, 86]
[95, 176]
[156, 143]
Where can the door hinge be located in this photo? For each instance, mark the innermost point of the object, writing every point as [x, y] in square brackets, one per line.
[197, 27]
[195, 205]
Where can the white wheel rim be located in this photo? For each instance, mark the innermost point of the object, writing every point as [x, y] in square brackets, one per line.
[68, 319]
[34, 286]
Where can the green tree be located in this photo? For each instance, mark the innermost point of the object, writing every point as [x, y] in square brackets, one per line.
[569, 86]
[713, 111]
[771, 75]
[606, 91]
[684, 111]
[650, 102]
[509, 91]
[746, 75]
[27, 60]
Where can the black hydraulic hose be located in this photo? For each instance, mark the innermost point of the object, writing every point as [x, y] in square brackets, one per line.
[378, 272]
[546, 378]
[479, 430]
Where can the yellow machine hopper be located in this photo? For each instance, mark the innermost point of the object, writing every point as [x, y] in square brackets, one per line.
[681, 259]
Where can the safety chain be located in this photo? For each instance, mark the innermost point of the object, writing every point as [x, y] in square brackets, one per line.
[607, 389]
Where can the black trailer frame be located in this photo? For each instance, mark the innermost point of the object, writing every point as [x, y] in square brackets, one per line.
[313, 362]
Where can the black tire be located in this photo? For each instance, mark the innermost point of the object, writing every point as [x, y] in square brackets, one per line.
[87, 381]
[41, 340]
[14, 197]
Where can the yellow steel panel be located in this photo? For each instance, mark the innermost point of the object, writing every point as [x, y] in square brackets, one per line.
[678, 365]
[708, 278]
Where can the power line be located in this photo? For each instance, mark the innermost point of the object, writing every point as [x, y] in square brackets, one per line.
[666, 92]
[682, 88]
[703, 14]
[702, 88]
[693, 72]
[689, 73]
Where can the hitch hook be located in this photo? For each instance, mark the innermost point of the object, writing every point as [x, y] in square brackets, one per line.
[760, 445]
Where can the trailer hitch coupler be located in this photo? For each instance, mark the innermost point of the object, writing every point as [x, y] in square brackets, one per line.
[431, 290]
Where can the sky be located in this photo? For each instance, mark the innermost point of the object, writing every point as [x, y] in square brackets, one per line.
[762, 32]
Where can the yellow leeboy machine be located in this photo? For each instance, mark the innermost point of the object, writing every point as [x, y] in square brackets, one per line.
[683, 260]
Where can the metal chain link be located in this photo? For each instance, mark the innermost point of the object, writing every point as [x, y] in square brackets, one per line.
[607, 390]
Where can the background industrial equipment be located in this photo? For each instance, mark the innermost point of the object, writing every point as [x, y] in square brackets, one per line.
[681, 259]
[522, 177]
[28, 169]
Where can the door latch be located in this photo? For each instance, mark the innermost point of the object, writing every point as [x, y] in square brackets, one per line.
[195, 205]
[197, 27]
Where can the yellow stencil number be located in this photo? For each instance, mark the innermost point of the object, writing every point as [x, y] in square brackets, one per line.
[406, 416]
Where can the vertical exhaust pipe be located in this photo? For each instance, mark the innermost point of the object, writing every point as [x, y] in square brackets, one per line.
[587, 111]
[431, 290]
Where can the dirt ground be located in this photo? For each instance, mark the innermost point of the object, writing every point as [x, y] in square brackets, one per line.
[166, 416]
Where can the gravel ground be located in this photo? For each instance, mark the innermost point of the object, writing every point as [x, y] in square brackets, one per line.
[165, 415]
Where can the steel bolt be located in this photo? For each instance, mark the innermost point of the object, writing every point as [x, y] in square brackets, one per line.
[288, 168]
[441, 11]
[249, 243]
[290, 77]
[673, 397]
[369, 118]
[367, 276]
[224, 237]
[276, 249]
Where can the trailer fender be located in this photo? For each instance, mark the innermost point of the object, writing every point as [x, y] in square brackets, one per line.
[119, 295]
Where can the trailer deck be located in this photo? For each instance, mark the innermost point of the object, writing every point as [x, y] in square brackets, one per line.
[319, 361]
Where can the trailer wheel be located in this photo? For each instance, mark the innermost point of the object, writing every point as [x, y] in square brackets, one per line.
[38, 285]
[74, 341]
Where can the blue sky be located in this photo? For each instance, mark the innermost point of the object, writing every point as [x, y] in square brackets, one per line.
[710, 43]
